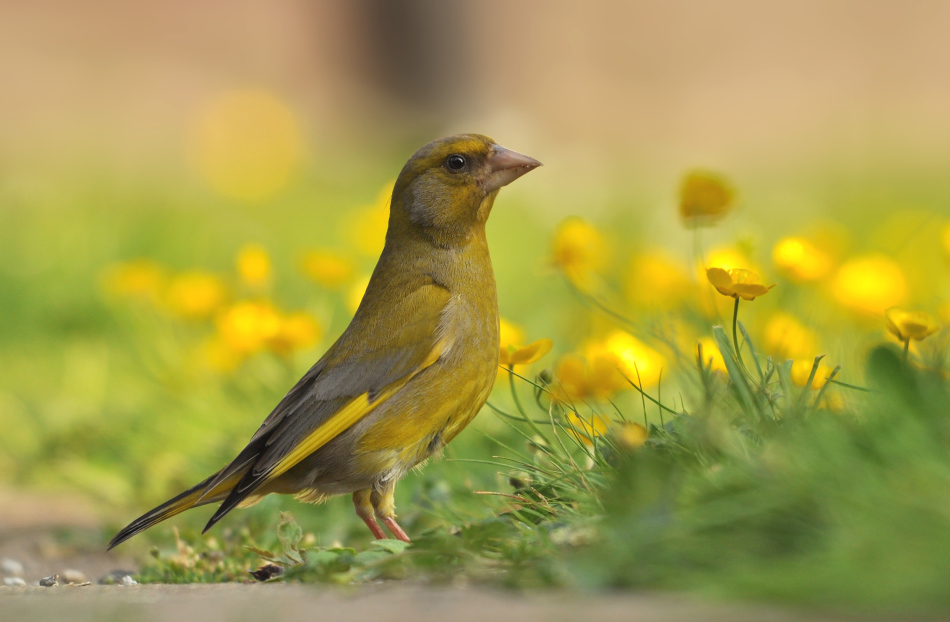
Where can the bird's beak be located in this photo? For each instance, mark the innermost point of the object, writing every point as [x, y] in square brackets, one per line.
[505, 166]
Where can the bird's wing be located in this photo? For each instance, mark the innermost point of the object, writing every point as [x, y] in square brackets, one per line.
[379, 353]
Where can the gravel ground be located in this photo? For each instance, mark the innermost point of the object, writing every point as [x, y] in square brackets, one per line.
[32, 532]
[234, 601]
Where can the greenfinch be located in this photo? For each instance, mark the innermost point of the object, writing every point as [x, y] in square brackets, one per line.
[412, 369]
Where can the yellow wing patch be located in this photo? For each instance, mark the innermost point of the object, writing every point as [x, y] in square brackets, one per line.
[353, 411]
[197, 496]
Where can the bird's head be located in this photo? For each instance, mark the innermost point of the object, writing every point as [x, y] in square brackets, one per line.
[448, 187]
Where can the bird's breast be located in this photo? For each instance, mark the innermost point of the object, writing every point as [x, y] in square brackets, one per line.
[438, 403]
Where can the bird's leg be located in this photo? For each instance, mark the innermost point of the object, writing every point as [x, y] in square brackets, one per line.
[364, 509]
[386, 511]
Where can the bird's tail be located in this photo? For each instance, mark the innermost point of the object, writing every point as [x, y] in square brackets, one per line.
[193, 497]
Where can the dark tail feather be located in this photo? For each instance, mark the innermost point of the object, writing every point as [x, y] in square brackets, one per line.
[247, 484]
[182, 502]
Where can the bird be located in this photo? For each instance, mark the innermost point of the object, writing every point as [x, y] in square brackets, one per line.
[409, 373]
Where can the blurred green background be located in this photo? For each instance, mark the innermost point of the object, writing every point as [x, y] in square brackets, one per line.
[177, 178]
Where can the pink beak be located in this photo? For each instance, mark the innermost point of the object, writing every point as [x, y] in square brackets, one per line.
[506, 166]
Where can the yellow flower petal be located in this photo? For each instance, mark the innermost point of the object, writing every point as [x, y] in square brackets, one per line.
[327, 268]
[656, 280]
[510, 334]
[578, 250]
[253, 265]
[355, 294]
[749, 291]
[711, 354]
[787, 338]
[800, 260]
[531, 352]
[737, 282]
[366, 229]
[195, 294]
[248, 326]
[870, 284]
[587, 430]
[297, 331]
[719, 278]
[602, 370]
[504, 358]
[631, 435]
[907, 325]
[801, 370]
[705, 197]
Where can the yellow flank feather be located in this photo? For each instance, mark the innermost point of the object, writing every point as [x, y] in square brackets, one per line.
[355, 409]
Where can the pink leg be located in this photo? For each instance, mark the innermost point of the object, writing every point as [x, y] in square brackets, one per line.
[394, 527]
[364, 509]
[378, 532]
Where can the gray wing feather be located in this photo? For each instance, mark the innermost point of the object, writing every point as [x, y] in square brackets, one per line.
[371, 354]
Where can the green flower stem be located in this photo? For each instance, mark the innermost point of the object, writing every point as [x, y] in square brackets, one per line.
[906, 348]
[735, 340]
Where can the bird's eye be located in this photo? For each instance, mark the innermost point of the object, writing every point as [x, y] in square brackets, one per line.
[455, 162]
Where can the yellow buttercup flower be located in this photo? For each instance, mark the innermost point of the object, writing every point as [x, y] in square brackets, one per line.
[248, 326]
[578, 250]
[354, 296]
[253, 265]
[524, 355]
[907, 325]
[631, 356]
[801, 370]
[605, 367]
[580, 379]
[510, 334]
[727, 258]
[737, 283]
[870, 284]
[631, 435]
[711, 354]
[195, 294]
[656, 280]
[705, 197]
[585, 430]
[327, 268]
[297, 331]
[247, 144]
[139, 278]
[800, 260]
[787, 338]
[367, 228]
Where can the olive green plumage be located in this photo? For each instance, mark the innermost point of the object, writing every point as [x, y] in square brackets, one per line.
[414, 366]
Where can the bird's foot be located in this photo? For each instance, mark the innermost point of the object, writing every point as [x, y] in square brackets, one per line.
[394, 527]
[378, 532]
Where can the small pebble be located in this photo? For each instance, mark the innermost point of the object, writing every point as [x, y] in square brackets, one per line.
[115, 577]
[72, 575]
[50, 581]
[11, 567]
[14, 582]
[127, 580]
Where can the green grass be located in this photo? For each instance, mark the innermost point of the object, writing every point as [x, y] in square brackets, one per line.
[747, 487]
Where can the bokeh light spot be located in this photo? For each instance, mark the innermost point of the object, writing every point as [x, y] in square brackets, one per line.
[246, 144]
[870, 284]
